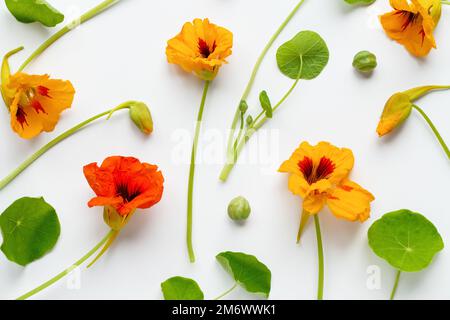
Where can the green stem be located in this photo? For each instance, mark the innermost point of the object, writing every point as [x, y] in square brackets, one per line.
[394, 289]
[51, 144]
[192, 174]
[445, 2]
[85, 17]
[227, 292]
[320, 256]
[435, 130]
[253, 77]
[257, 124]
[68, 270]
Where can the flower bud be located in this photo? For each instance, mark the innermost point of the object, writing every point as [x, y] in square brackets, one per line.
[365, 61]
[397, 109]
[113, 219]
[141, 116]
[239, 209]
[249, 120]
[243, 106]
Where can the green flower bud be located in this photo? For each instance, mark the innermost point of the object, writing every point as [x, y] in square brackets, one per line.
[365, 61]
[243, 106]
[249, 120]
[141, 116]
[239, 209]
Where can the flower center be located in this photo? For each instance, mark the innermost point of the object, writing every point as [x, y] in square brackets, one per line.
[313, 172]
[205, 50]
[126, 192]
[409, 18]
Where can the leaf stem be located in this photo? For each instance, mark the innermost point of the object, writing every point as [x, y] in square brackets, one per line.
[320, 258]
[192, 174]
[85, 17]
[394, 289]
[231, 135]
[227, 292]
[445, 2]
[68, 270]
[257, 124]
[8, 179]
[435, 130]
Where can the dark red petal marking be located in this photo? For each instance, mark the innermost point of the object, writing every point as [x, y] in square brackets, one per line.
[36, 105]
[314, 173]
[204, 49]
[43, 91]
[21, 116]
[325, 168]
[346, 188]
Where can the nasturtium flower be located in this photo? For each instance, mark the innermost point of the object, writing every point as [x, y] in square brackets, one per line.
[319, 174]
[201, 47]
[412, 24]
[122, 185]
[35, 102]
[399, 107]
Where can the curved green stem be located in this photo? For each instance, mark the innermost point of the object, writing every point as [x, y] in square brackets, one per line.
[4, 182]
[192, 174]
[445, 2]
[85, 17]
[320, 257]
[227, 292]
[68, 270]
[394, 289]
[249, 86]
[435, 130]
[257, 124]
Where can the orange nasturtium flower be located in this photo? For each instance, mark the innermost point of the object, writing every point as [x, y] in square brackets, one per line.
[412, 24]
[35, 102]
[122, 185]
[319, 174]
[201, 47]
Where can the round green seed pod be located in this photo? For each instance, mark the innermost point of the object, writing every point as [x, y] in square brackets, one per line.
[365, 61]
[239, 209]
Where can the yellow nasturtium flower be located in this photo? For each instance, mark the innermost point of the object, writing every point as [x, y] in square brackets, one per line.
[399, 107]
[201, 47]
[35, 102]
[319, 174]
[412, 24]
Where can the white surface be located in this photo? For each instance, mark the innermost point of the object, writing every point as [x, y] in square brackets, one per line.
[121, 55]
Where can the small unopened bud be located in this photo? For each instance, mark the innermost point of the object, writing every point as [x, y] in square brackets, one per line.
[249, 120]
[113, 219]
[243, 107]
[239, 209]
[365, 61]
[141, 116]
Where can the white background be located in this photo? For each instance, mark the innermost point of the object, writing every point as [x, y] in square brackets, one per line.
[121, 55]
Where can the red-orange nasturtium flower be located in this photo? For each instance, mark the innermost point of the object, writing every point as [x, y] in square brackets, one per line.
[122, 185]
[412, 24]
[201, 47]
[319, 174]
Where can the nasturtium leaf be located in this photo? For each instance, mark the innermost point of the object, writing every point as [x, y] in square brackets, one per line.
[28, 11]
[179, 288]
[266, 104]
[303, 57]
[405, 239]
[30, 229]
[247, 271]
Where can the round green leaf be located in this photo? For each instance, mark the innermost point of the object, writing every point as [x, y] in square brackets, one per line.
[247, 271]
[405, 239]
[179, 288]
[303, 57]
[28, 11]
[30, 229]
